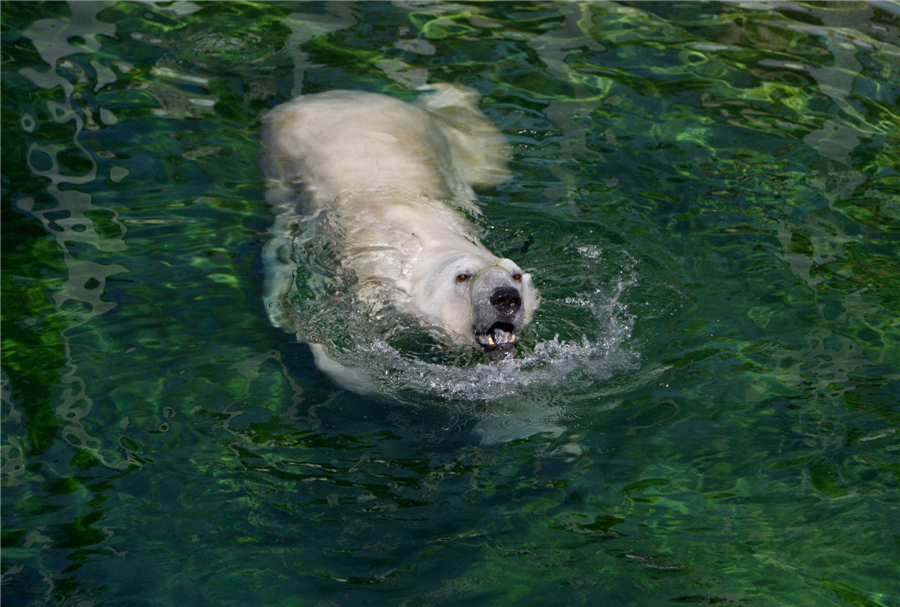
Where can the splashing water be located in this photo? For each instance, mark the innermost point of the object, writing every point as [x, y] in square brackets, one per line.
[547, 371]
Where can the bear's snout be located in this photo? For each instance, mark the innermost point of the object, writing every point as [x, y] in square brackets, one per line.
[506, 300]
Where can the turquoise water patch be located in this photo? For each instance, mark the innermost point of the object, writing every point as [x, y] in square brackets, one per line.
[707, 195]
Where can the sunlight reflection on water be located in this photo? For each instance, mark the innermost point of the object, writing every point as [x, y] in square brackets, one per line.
[705, 191]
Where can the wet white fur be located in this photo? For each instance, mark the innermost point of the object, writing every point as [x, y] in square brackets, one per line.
[393, 178]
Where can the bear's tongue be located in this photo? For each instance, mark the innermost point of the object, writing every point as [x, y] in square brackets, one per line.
[499, 334]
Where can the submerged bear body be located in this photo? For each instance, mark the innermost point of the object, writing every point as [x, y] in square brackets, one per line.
[393, 179]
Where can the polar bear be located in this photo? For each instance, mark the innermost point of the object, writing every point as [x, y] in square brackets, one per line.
[395, 180]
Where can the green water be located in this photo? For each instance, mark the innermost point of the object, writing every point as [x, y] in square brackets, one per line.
[709, 199]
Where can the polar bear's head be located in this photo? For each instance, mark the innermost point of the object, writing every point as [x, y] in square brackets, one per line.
[479, 299]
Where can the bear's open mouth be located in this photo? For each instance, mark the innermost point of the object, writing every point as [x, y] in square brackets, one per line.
[500, 336]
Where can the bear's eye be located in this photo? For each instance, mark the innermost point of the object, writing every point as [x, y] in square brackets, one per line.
[463, 277]
[517, 277]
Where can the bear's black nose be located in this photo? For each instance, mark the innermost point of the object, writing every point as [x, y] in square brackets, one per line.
[506, 299]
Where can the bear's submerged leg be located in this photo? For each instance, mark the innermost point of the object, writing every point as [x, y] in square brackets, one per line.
[351, 379]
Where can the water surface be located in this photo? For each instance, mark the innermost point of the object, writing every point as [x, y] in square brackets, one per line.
[707, 194]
